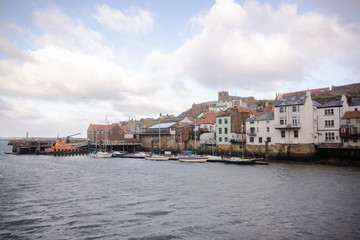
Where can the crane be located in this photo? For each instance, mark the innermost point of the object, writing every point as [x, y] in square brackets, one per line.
[68, 137]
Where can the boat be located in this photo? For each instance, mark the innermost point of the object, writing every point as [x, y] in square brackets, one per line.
[157, 157]
[117, 154]
[214, 158]
[60, 145]
[189, 157]
[100, 154]
[239, 160]
[134, 155]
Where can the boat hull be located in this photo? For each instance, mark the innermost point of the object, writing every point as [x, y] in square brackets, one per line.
[235, 160]
[193, 159]
[157, 158]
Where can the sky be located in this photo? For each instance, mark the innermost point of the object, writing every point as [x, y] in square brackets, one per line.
[67, 64]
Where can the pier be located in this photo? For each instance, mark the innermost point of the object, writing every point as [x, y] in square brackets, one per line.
[82, 145]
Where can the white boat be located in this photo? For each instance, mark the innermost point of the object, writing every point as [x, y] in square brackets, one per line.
[213, 158]
[101, 155]
[117, 154]
[156, 157]
[189, 157]
[239, 160]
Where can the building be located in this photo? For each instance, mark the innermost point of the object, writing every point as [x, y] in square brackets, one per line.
[230, 127]
[328, 121]
[350, 129]
[115, 133]
[260, 129]
[295, 120]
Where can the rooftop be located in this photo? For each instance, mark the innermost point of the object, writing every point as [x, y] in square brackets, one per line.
[264, 116]
[293, 100]
[336, 103]
[352, 114]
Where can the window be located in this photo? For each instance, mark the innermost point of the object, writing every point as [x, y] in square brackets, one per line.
[226, 139]
[296, 134]
[355, 140]
[343, 130]
[329, 112]
[268, 139]
[251, 139]
[120, 132]
[267, 129]
[220, 121]
[282, 134]
[354, 130]
[295, 108]
[329, 136]
[358, 121]
[282, 120]
[220, 131]
[220, 139]
[329, 123]
[295, 120]
[267, 122]
[225, 121]
[348, 121]
[225, 132]
[283, 109]
[260, 139]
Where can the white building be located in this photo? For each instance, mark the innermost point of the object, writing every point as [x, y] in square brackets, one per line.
[260, 129]
[329, 119]
[295, 120]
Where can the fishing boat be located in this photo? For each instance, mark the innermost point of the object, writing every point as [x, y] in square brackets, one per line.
[239, 160]
[189, 157]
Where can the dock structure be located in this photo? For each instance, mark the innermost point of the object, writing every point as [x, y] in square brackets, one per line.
[38, 146]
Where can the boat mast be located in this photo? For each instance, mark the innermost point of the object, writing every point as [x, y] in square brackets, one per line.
[159, 136]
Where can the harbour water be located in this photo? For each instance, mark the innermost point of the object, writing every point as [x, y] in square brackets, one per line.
[46, 197]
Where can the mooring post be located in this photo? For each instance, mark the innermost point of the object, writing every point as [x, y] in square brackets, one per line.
[266, 151]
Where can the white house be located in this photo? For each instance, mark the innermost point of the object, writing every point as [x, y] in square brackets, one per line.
[260, 129]
[295, 120]
[328, 123]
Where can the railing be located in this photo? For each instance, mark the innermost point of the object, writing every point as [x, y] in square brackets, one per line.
[252, 134]
[287, 126]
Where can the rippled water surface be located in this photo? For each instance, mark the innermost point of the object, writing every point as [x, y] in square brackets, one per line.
[46, 197]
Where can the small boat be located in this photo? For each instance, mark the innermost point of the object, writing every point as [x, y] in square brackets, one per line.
[117, 154]
[99, 154]
[214, 158]
[134, 155]
[157, 157]
[189, 157]
[239, 160]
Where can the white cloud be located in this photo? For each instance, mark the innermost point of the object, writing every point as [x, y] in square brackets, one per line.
[130, 21]
[256, 47]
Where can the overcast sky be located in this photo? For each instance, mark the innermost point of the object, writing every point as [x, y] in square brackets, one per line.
[66, 64]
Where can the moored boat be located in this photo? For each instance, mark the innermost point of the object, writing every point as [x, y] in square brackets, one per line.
[99, 154]
[157, 157]
[189, 157]
[239, 160]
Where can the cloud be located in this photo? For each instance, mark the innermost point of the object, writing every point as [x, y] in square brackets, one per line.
[20, 109]
[256, 47]
[62, 31]
[130, 21]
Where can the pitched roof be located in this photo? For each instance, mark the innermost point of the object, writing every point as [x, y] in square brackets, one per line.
[351, 114]
[225, 114]
[207, 117]
[336, 103]
[268, 108]
[162, 125]
[125, 128]
[293, 100]
[264, 116]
